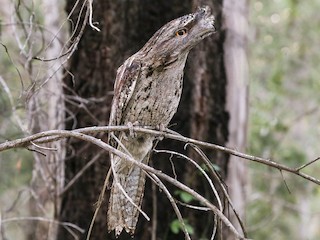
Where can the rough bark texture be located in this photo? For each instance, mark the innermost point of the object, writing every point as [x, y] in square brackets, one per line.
[126, 26]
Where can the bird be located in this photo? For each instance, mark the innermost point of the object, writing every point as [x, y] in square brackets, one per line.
[147, 91]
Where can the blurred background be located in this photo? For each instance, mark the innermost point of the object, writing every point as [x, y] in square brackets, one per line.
[284, 57]
[284, 117]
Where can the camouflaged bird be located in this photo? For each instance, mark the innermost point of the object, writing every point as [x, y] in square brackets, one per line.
[147, 92]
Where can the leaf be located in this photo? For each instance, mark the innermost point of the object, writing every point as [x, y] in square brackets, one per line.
[176, 227]
[184, 196]
[189, 228]
[215, 167]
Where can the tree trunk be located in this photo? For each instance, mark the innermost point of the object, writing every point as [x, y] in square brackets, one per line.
[46, 112]
[235, 59]
[202, 114]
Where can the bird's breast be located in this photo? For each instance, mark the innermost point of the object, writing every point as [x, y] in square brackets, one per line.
[156, 98]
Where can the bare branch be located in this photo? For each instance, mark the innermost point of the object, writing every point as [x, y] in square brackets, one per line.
[81, 172]
[200, 169]
[173, 203]
[307, 164]
[98, 205]
[8, 92]
[90, 16]
[103, 145]
[221, 183]
[65, 224]
[154, 213]
[53, 135]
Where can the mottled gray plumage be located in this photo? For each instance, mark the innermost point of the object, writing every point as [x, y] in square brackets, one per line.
[147, 92]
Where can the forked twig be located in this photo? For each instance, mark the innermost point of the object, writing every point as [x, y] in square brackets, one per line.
[307, 164]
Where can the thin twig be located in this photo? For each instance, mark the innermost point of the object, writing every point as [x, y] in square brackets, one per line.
[90, 16]
[160, 174]
[118, 185]
[221, 183]
[285, 182]
[200, 169]
[8, 92]
[173, 204]
[98, 205]
[120, 144]
[15, 219]
[103, 145]
[81, 172]
[53, 135]
[193, 206]
[107, 147]
[44, 148]
[307, 164]
[2, 234]
[154, 213]
[211, 185]
[172, 165]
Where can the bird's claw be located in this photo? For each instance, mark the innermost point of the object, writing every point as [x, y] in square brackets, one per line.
[132, 134]
[161, 128]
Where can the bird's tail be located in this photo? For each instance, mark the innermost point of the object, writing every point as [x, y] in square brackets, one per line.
[122, 213]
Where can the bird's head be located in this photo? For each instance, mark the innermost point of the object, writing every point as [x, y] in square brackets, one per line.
[179, 36]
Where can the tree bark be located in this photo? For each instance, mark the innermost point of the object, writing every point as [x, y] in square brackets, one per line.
[202, 114]
[46, 112]
[235, 14]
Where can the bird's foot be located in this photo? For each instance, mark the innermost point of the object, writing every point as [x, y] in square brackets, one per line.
[161, 128]
[132, 134]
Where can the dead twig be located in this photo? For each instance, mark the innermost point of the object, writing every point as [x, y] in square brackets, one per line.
[54, 135]
[307, 164]
[157, 181]
[154, 213]
[150, 170]
[81, 172]
[64, 224]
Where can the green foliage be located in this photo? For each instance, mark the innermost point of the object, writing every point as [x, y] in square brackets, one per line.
[176, 227]
[284, 117]
[184, 196]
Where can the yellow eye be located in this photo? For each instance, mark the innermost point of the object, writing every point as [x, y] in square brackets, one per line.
[181, 32]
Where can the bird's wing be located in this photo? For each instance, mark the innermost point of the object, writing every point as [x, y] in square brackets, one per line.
[127, 76]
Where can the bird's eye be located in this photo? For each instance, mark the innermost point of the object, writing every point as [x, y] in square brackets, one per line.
[181, 32]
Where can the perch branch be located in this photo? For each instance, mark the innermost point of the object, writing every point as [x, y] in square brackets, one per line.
[53, 135]
[103, 145]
